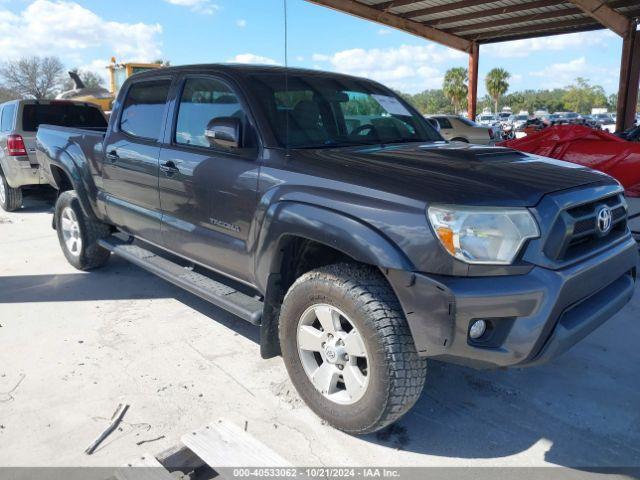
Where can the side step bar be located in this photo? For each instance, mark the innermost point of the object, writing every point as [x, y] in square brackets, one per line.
[221, 295]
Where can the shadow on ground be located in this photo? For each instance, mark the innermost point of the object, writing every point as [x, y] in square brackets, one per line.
[581, 411]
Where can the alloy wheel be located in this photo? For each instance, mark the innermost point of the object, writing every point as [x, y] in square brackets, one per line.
[333, 354]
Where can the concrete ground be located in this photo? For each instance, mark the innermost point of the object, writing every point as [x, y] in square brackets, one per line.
[73, 345]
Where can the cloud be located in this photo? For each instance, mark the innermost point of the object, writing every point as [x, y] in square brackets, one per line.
[409, 68]
[198, 6]
[241, 23]
[558, 75]
[253, 58]
[524, 48]
[385, 31]
[69, 30]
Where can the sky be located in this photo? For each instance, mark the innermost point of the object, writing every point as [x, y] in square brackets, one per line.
[85, 34]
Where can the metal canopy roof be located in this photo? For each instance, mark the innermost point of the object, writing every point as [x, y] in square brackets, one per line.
[460, 23]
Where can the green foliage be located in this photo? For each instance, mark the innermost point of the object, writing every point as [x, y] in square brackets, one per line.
[497, 84]
[581, 96]
[455, 87]
[431, 101]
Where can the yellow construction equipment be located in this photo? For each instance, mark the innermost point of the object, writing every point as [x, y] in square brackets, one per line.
[118, 73]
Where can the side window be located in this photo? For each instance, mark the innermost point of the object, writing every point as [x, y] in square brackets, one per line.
[143, 109]
[444, 122]
[202, 100]
[6, 120]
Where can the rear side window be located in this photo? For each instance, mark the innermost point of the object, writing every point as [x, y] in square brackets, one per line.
[444, 122]
[6, 121]
[143, 109]
[65, 115]
[202, 100]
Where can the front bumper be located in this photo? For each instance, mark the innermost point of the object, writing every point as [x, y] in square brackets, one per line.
[19, 172]
[533, 317]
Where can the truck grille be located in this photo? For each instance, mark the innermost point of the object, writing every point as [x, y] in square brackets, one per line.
[576, 233]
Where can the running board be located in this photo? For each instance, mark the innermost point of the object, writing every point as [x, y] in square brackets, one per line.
[221, 295]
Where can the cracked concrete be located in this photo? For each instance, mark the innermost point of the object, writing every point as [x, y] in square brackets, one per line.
[73, 345]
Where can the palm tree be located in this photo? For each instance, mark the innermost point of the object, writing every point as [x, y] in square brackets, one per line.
[455, 86]
[497, 84]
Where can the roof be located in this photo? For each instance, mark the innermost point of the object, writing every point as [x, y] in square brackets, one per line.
[456, 23]
[246, 69]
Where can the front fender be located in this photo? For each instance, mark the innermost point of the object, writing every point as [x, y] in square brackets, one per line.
[335, 229]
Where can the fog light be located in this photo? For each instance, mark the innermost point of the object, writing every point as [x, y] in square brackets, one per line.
[477, 329]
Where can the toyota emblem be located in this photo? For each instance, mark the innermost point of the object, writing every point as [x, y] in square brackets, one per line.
[604, 220]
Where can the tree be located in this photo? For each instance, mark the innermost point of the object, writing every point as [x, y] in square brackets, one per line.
[497, 84]
[8, 94]
[89, 79]
[581, 97]
[36, 77]
[455, 87]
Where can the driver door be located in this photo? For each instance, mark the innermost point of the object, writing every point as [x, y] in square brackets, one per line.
[208, 195]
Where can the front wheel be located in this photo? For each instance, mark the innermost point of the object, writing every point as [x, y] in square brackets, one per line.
[78, 234]
[10, 198]
[348, 348]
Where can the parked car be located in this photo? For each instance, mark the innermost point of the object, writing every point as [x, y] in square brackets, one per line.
[518, 121]
[19, 121]
[459, 129]
[568, 117]
[487, 119]
[605, 121]
[359, 240]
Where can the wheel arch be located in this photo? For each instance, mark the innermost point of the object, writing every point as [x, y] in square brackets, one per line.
[65, 175]
[296, 238]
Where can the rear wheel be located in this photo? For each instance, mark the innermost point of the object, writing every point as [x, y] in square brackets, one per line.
[78, 234]
[460, 139]
[10, 198]
[348, 348]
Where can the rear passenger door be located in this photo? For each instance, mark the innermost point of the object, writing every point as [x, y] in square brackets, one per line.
[131, 151]
[208, 195]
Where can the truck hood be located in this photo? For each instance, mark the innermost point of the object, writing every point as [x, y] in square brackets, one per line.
[443, 172]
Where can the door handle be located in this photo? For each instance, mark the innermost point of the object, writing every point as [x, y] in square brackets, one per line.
[169, 168]
[113, 156]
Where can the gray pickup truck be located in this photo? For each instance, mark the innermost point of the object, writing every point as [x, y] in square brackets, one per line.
[343, 225]
[19, 121]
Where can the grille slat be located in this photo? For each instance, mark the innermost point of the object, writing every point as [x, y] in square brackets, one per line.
[575, 232]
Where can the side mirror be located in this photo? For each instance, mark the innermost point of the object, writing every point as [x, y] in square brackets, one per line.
[224, 132]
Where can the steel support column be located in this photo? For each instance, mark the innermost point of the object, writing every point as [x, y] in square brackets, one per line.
[472, 94]
[629, 78]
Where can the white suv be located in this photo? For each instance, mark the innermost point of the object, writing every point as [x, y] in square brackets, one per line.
[19, 121]
[459, 129]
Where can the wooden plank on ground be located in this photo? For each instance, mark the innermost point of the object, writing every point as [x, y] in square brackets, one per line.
[224, 444]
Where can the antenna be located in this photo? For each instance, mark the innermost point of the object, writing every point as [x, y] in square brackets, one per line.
[286, 75]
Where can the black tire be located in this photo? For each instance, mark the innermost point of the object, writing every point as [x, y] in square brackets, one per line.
[12, 200]
[396, 372]
[460, 139]
[90, 255]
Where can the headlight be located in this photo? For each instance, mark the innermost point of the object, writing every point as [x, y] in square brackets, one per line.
[483, 234]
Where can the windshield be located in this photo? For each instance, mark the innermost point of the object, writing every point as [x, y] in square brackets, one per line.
[521, 117]
[62, 114]
[468, 122]
[308, 111]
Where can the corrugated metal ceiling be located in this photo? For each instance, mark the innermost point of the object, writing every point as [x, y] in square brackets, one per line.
[489, 21]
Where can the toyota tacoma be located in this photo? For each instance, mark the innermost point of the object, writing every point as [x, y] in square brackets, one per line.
[326, 210]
